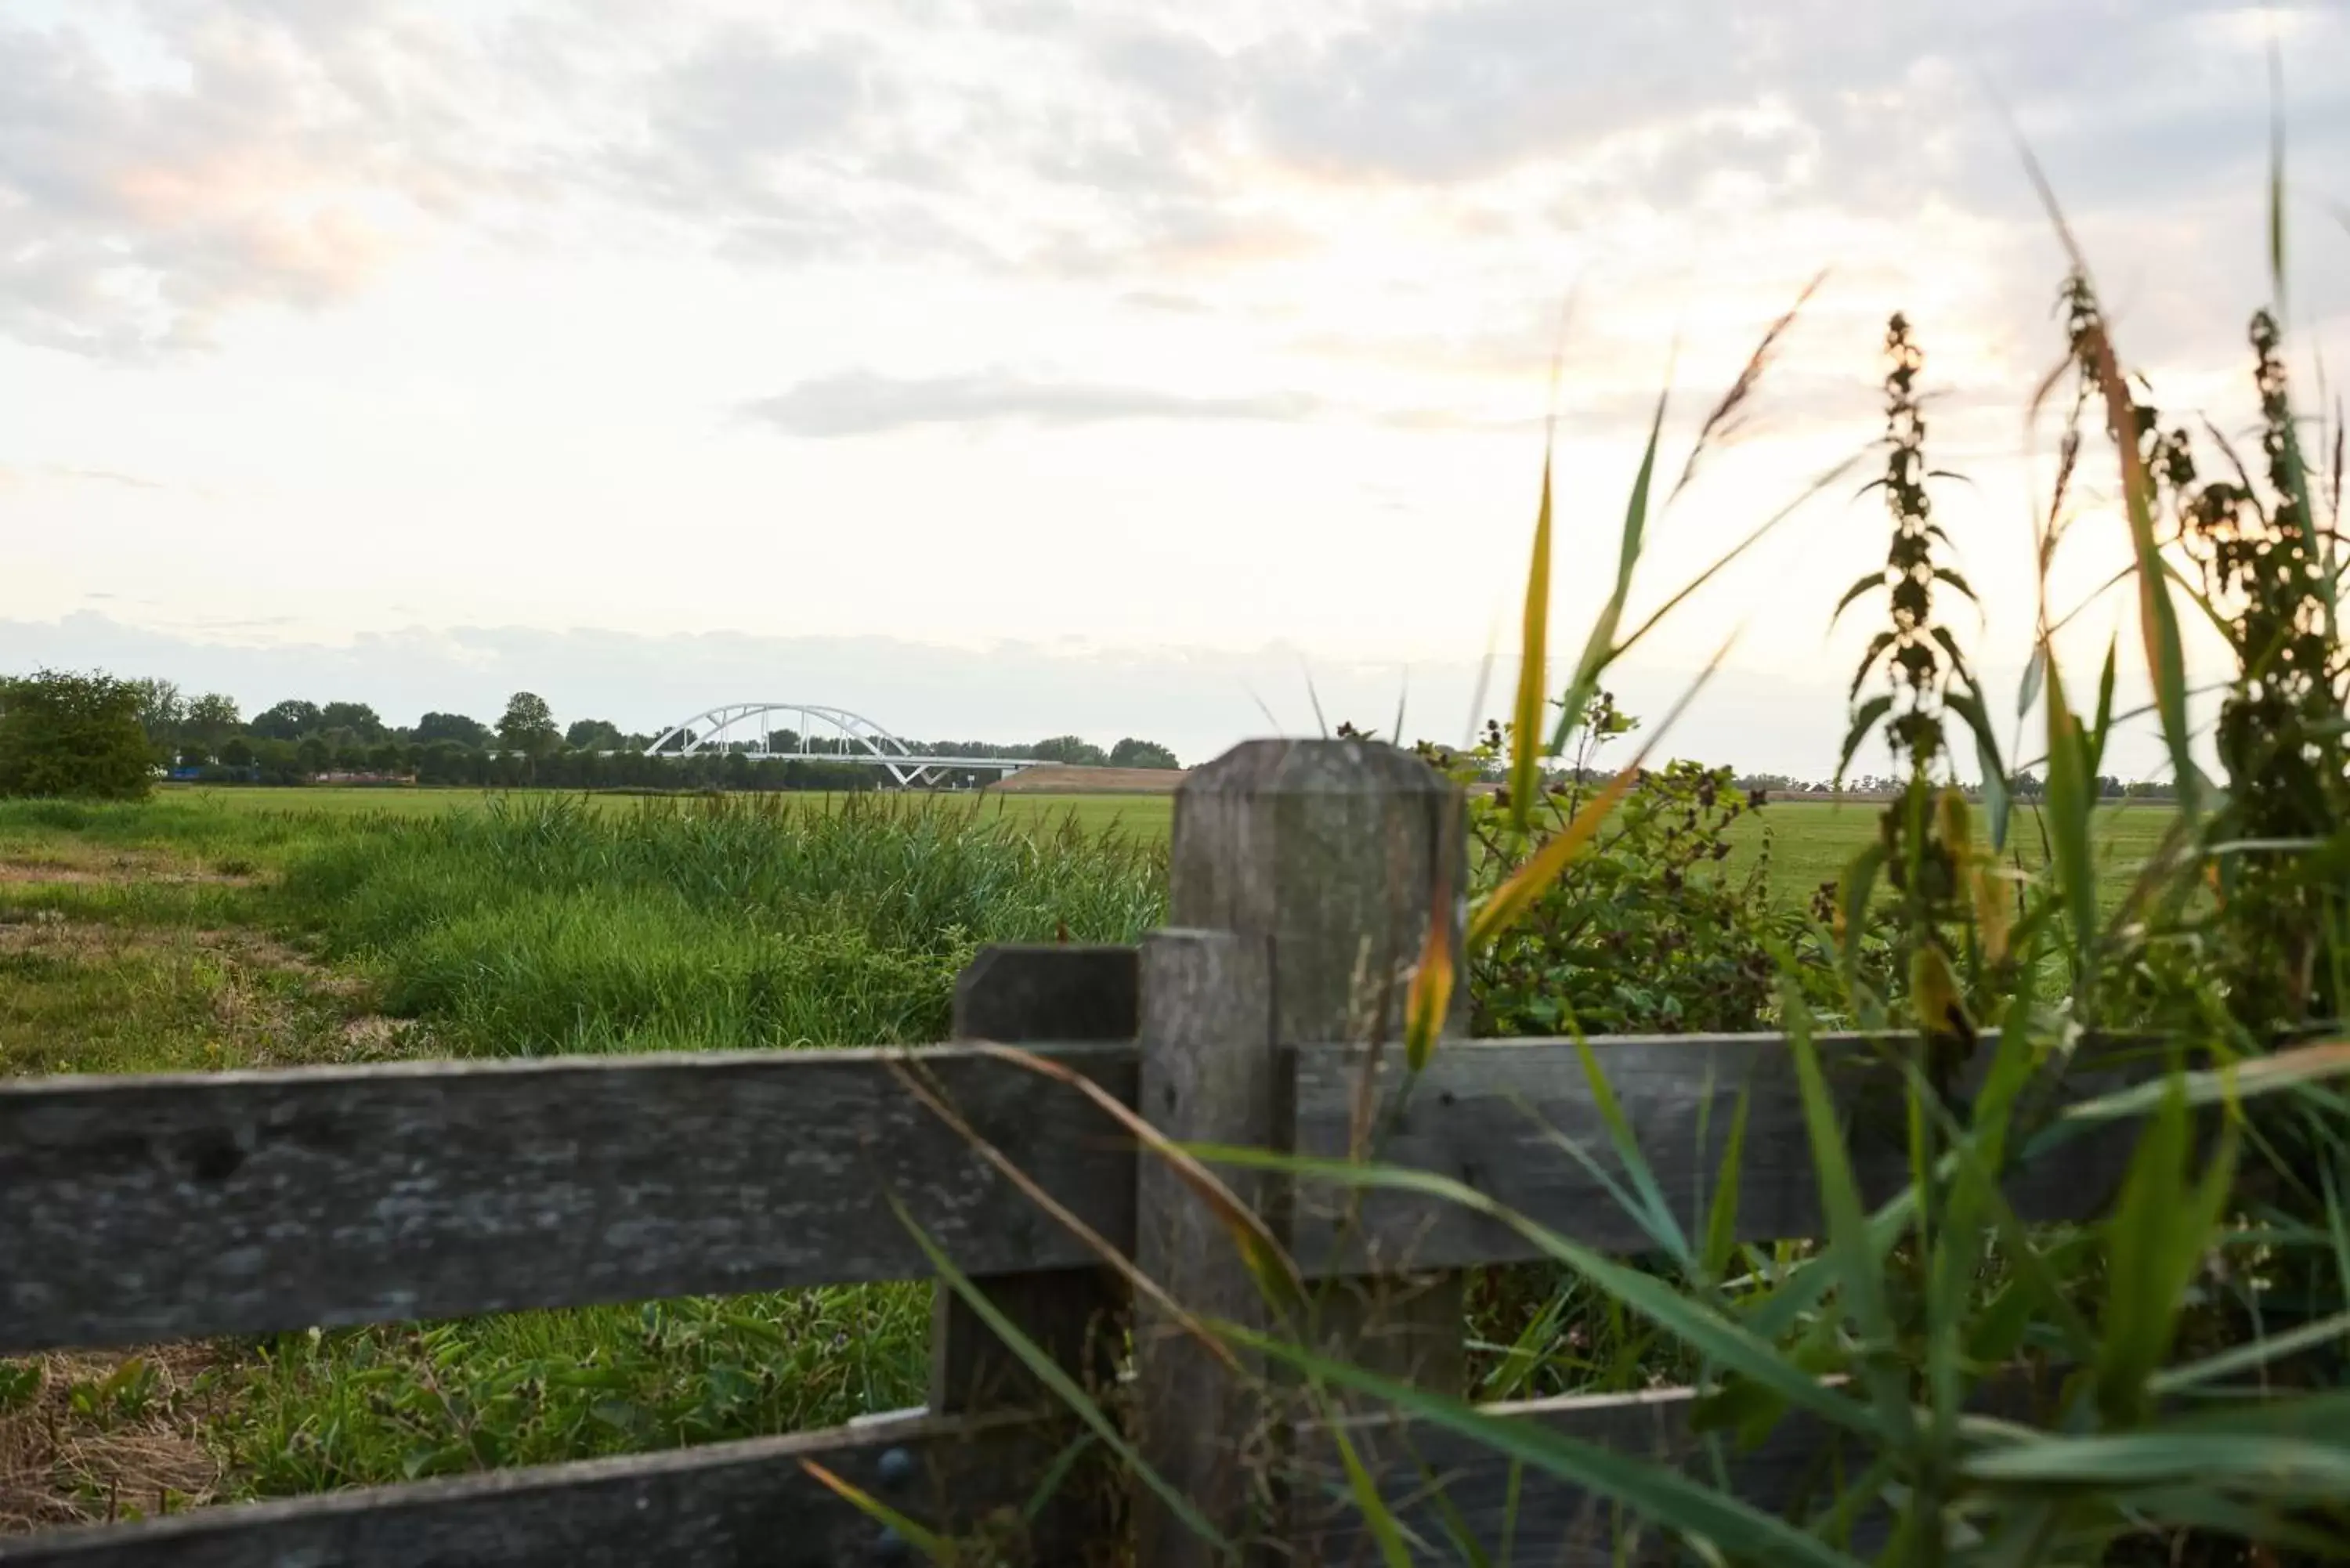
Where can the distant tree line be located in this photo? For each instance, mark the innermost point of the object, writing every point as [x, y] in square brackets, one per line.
[97, 735]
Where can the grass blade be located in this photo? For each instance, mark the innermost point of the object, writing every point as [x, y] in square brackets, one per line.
[1599, 647]
[1534, 669]
[1368, 1503]
[1726, 1342]
[2283, 1470]
[1854, 1255]
[936, 1547]
[1054, 1377]
[2245, 1080]
[1654, 1490]
[1429, 999]
[2258, 1353]
[1275, 1271]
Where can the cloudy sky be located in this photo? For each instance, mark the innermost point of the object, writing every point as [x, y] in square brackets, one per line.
[993, 368]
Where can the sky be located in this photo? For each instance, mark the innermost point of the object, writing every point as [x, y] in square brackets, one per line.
[1115, 367]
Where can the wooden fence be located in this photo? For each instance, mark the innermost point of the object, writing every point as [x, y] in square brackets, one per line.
[147, 1209]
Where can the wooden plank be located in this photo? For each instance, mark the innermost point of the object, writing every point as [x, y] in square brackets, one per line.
[135, 1209]
[725, 1505]
[1489, 1114]
[1548, 1520]
[1208, 1075]
[1029, 996]
[1342, 852]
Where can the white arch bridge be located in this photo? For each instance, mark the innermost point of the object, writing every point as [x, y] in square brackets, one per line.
[812, 732]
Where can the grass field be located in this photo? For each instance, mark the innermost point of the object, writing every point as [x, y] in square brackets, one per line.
[1810, 843]
[235, 928]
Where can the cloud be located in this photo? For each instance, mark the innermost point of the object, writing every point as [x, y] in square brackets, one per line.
[166, 166]
[139, 207]
[108, 476]
[861, 404]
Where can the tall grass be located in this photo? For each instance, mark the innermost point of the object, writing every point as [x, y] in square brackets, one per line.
[545, 923]
[540, 925]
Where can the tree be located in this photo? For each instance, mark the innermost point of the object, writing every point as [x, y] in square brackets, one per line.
[64, 734]
[1133, 754]
[211, 719]
[528, 726]
[454, 727]
[357, 717]
[594, 735]
[161, 712]
[1071, 748]
[287, 720]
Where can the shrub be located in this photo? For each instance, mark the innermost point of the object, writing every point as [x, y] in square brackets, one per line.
[1653, 933]
[67, 735]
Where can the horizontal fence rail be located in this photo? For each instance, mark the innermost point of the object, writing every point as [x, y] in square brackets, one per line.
[183, 1206]
[1518, 1119]
[133, 1209]
[713, 1507]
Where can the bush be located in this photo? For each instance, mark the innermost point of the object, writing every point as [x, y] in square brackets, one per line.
[1653, 934]
[66, 735]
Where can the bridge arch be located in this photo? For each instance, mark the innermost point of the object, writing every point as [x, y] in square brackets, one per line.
[845, 737]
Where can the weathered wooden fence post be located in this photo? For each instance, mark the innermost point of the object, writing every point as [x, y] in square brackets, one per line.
[1034, 996]
[1040, 996]
[1304, 874]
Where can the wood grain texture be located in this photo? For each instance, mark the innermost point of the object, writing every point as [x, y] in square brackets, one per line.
[175, 1207]
[1336, 850]
[728, 1505]
[1208, 1074]
[1489, 1114]
[1034, 995]
[1038, 993]
[1342, 852]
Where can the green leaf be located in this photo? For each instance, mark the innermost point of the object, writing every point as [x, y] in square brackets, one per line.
[1863, 720]
[1855, 593]
[935, 1547]
[1876, 645]
[1533, 666]
[2071, 799]
[1368, 1501]
[2283, 1470]
[2156, 1239]
[1967, 702]
[2287, 1069]
[1659, 1220]
[1853, 890]
[2257, 1352]
[2105, 725]
[1660, 1493]
[1722, 1213]
[1853, 1258]
[1957, 582]
[1599, 648]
